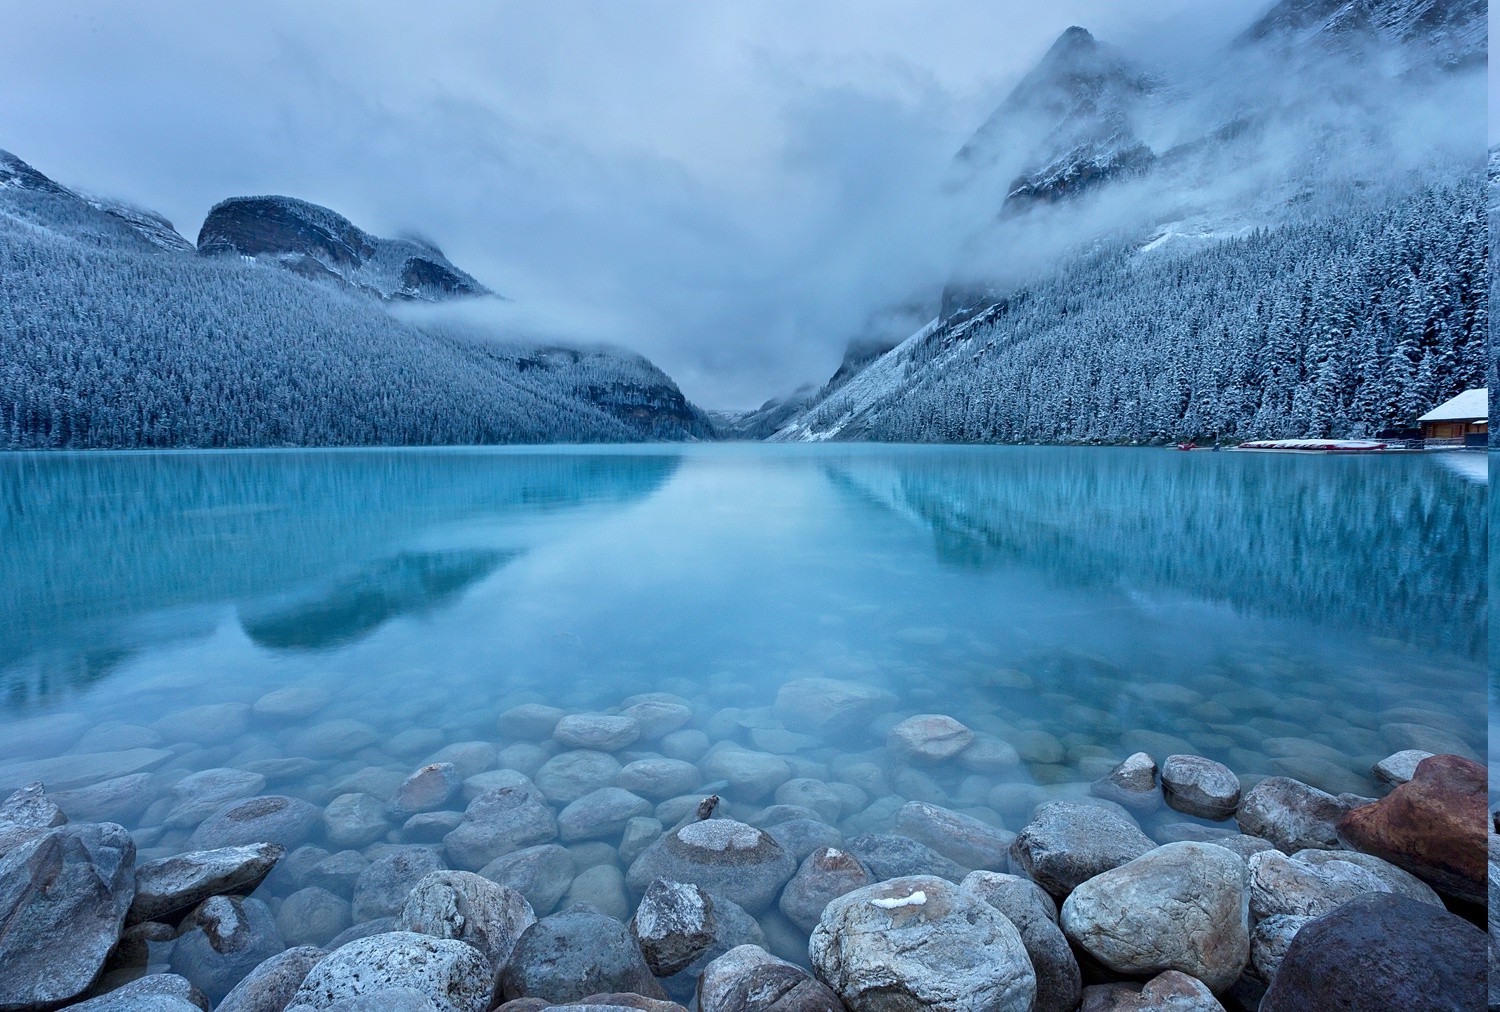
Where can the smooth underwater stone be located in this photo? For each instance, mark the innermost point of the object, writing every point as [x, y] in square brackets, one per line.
[312, 916]
[920, 941]
[568, 776]
[174, 885]
[428, 788]
[451, 974]
[271, 985]
[530, 721]
[600, 814]
[752, 776]
[1179, 907]
[598, 731]
[270, 818]
[382, 888]
[724, 857]
[658, 778]
[929, 737]
[63, 899]
[354, 820]
[541, 874]
[222, 940]
[80, 769]
[201, 794]
[295, 702]
[497, 823]
[959, 837]
[568, 956]
[825, 706]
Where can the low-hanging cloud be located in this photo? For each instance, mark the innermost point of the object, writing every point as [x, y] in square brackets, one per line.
[730, 188]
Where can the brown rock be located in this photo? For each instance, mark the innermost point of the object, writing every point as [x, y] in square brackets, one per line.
[1435, 827]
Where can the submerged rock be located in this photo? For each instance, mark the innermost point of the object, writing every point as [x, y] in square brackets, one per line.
[1179, 907]
[1132, 783]
[63, 898]
[574, 954]
[959, 837]
[890, 855]
[601, 814]
[929, 737]
[1382, 952]
[540, 874]
[222, 940]
[919, 942]
[497, 823]
[427, 789]
[382, 888]
[157, 992]
[1435, 826]
[602, 732]
[270, 818]
[825, 706]
[312, 916]
[724, 857]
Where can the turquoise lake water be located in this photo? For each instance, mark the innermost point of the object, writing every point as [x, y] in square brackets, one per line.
[1284, 614]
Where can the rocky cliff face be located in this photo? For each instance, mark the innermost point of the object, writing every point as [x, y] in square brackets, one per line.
[1431, 34]
[319, 243]
[19, 177]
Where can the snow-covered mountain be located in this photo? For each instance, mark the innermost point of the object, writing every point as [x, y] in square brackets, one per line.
[318, 243]
[111, 337]
[1106, 193]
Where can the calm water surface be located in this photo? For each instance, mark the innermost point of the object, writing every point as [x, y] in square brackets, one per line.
[1297, 615]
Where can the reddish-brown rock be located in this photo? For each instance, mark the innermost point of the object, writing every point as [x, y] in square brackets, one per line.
[1435, 827]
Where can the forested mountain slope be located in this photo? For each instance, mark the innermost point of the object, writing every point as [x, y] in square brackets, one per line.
[107, 340]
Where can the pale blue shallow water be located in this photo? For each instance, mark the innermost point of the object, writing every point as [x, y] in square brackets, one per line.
[1098, 596]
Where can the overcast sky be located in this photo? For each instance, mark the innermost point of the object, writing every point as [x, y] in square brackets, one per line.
[728, 187]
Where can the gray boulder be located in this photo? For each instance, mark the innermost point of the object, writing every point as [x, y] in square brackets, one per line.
[270, 818]
[497, 823]
[1269, 941]
[427, 789]
[724, 857]
[120, 799]
[752, 776]
[222, 940]
[1132, 783]
[1067, 843]
[452, 975]
[929, 738]
[157, 992]
[601, 886]
[201, 794]
[1179, 907]
[172, 886]
[921, 942]
[673, 925]
[1027, 905]
[270, 986]
[1197, 786]
[30, 807]
[575, 954]
[466, 907]
[1292, 815]
[382, 888]
[1312, 883]
[1400, 767]
[747, 978]
[63, 899]
[800, 837]
[568, 776]
[530, 721]
[824, 875]
[658, 778]
[354, 820]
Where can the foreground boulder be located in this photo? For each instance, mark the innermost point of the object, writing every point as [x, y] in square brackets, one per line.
[673, 925]
[222, 940]
[1166, 992]
[574, 954]
[157, 992]
[826, 874]
[172, 886]
[749, 979]
[1435, 826]
[1292, 815]
[1067, 843]
[917, 942]
[1382, 952]
[1312, 883]
[463, 906]
[724, 857]
[63, 899]
[1027, 905]
[1197, 786]
[450, 974]
[1180, 907]
[271, 986]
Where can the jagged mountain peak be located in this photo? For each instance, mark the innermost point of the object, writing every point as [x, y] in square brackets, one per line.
[16, 174]
[1441, 34]
[318, 242]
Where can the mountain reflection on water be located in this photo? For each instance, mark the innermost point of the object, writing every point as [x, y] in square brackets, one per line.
[1341, 540]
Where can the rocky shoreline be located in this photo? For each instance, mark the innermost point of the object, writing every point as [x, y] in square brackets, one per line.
[641, 858]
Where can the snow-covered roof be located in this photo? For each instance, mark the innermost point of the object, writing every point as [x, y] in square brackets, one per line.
[1467, 406]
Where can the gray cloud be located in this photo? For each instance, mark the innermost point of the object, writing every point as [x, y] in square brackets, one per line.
[727, 187]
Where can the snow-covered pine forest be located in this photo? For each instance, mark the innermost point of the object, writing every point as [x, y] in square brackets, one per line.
[1347, 319]
[105, 341]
